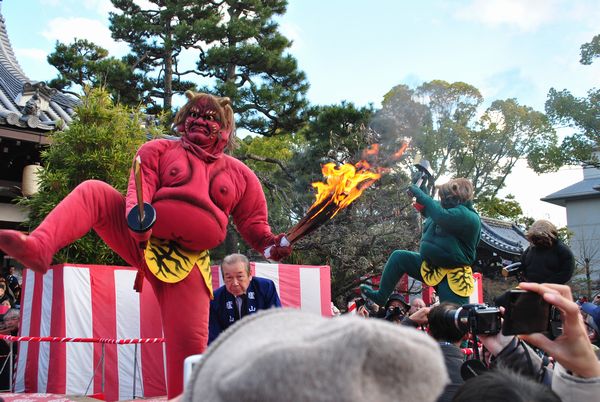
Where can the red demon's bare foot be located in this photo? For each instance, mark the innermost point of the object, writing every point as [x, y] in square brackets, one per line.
[24, 249]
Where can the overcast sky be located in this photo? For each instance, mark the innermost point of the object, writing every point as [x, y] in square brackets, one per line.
[357, 50]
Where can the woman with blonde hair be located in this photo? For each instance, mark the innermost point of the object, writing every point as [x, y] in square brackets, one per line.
[547, 259]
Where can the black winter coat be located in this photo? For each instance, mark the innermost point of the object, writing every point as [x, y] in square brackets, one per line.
[548, 265]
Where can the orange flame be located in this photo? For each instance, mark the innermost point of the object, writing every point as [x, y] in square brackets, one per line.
[344, 184]
[373, 149]
[399, 152]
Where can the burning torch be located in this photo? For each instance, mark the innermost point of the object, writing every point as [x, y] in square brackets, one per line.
[343, 185]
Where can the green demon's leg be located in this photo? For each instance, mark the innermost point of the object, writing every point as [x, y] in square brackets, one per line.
[447, 295]
[399, 263]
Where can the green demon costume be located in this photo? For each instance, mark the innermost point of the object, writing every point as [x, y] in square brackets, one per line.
[451, 233]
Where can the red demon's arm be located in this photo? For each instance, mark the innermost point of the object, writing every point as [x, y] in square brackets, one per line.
[149, 154]
[250, 214]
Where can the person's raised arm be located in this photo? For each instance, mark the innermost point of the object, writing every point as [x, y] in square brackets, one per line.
[572, 349]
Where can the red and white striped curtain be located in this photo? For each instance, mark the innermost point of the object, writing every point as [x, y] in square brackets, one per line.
[91, 301]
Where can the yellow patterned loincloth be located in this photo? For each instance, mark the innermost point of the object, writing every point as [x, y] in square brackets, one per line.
[460, 279]
[170, 263]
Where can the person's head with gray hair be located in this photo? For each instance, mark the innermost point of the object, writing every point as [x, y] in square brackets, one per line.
[298, 356]
[416, 304]
[236, 273]
[10, 321]
[235, 258]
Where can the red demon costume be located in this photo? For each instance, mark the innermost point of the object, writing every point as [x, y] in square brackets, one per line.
[193, 187]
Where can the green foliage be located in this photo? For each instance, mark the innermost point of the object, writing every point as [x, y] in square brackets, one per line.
[263, 154]
[581, 114]
[590, 50]
[99, 144]
[496, 208]
[336, 132]
[507, 209]
[565, 235]
[158, 34]
[241, 55]
[251, 65]
[441, 118]
[506, 133]
[84, 64]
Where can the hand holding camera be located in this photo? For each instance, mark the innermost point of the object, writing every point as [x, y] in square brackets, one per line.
[572, 349]
[420, 316]
[365, 307]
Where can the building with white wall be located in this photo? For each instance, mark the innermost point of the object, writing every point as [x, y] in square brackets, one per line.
[582, 203]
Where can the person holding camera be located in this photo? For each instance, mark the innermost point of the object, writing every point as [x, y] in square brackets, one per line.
[547, 259]
[396, 308]
[576, 373]
[449, 337]
[451, 232]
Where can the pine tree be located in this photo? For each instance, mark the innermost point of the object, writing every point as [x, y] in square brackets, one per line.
[241, 55]
[158, 35]
[251, 66]
[83, 63]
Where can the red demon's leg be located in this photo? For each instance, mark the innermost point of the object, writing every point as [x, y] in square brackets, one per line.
[91, 205]
[184, 309]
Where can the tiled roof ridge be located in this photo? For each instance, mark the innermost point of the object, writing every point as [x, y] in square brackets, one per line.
[497, 222]
[495, 239]
[14, 84]
[581, 189]
[8, 55]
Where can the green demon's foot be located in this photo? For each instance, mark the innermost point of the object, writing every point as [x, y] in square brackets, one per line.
[374, 295]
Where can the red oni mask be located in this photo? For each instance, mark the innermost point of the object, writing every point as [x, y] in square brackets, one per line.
[203, 128]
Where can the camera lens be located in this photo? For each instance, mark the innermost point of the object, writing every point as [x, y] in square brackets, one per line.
[459, 318]
[475, 318]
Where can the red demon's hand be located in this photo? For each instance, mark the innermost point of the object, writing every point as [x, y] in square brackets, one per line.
[140, 223]
[280, 250]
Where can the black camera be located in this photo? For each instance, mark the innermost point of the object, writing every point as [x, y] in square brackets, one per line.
[528, 313]
[478, 319]
[368, 303]
[394, 313]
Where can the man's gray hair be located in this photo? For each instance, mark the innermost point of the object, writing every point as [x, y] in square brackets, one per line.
[233, 258]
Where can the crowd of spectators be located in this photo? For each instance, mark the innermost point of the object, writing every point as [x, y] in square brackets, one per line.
[10, 295]
[368, 356]
[527, 367]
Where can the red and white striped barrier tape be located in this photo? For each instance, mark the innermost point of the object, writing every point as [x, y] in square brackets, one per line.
[11, 338]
